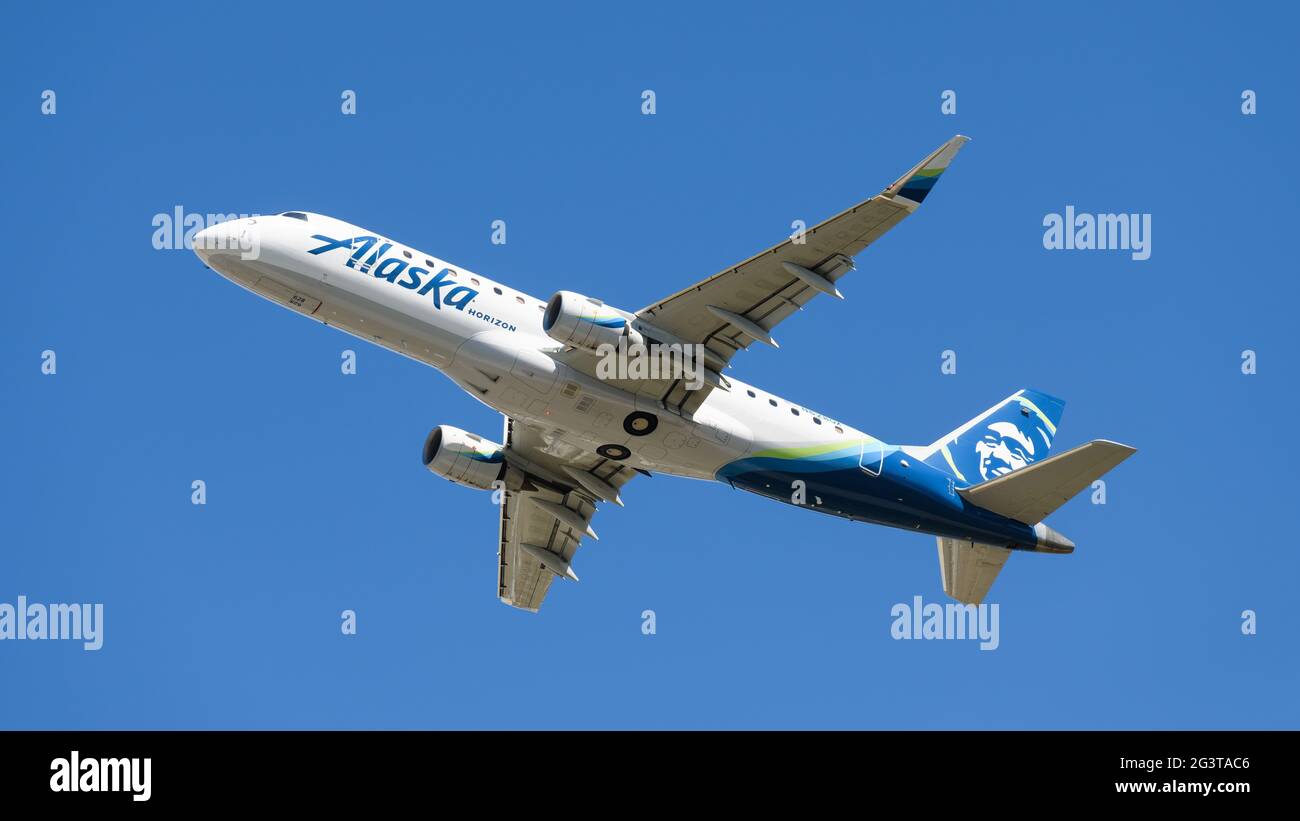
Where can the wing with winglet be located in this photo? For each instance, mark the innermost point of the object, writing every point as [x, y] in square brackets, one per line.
[732, 309]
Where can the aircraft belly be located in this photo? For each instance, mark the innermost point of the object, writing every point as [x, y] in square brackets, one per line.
[551, 396]
[852, 493]
[356, 315]
[394, 329]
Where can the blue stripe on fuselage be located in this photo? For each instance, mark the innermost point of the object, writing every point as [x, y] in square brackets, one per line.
[902, 497]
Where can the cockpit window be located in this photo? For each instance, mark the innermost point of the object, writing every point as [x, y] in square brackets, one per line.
[298, 215]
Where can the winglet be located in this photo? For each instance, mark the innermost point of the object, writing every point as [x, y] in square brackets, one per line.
[916, 184]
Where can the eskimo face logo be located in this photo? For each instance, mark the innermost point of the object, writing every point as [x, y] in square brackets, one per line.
[1006, 447]
[397, 271]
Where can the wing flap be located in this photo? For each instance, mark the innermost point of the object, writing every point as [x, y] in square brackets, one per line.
[545, 512]
[522, 581]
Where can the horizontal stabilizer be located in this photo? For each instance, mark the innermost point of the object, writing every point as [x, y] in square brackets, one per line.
[968, 569]
[1029, 494]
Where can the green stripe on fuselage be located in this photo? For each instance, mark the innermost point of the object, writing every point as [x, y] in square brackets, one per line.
[809, 451]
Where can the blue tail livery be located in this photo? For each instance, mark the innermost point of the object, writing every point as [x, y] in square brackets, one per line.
[1015, 432]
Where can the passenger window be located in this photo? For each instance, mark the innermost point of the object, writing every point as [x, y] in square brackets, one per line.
[795, 411]
[751, 394]
[816, 420]
[496, 291]
[406, 254]
[772, 402]
[519, 299]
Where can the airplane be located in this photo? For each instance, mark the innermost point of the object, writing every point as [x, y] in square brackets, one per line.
[575, 434]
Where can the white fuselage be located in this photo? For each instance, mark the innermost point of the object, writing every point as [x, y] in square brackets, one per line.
[494, 347]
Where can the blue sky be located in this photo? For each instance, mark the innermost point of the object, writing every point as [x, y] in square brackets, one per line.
[227, 615]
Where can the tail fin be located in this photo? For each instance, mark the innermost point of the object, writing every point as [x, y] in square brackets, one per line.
[1015, 432]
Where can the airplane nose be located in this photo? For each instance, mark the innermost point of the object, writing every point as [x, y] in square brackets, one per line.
[203, 243]
[234, 237]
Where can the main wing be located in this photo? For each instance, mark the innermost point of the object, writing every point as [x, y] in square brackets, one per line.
[731, 310]
[549, 501]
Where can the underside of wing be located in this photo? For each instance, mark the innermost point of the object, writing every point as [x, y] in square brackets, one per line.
[731, 310]
[528, 537]
[552, 490]
[670, 392]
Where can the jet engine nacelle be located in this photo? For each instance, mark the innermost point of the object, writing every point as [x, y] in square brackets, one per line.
[586, 323]
[464, 458]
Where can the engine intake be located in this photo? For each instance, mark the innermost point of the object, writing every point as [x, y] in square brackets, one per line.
[464, 458]
[586, 323]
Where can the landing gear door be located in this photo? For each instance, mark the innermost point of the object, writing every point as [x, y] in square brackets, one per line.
[287, 297]
[873, 456]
